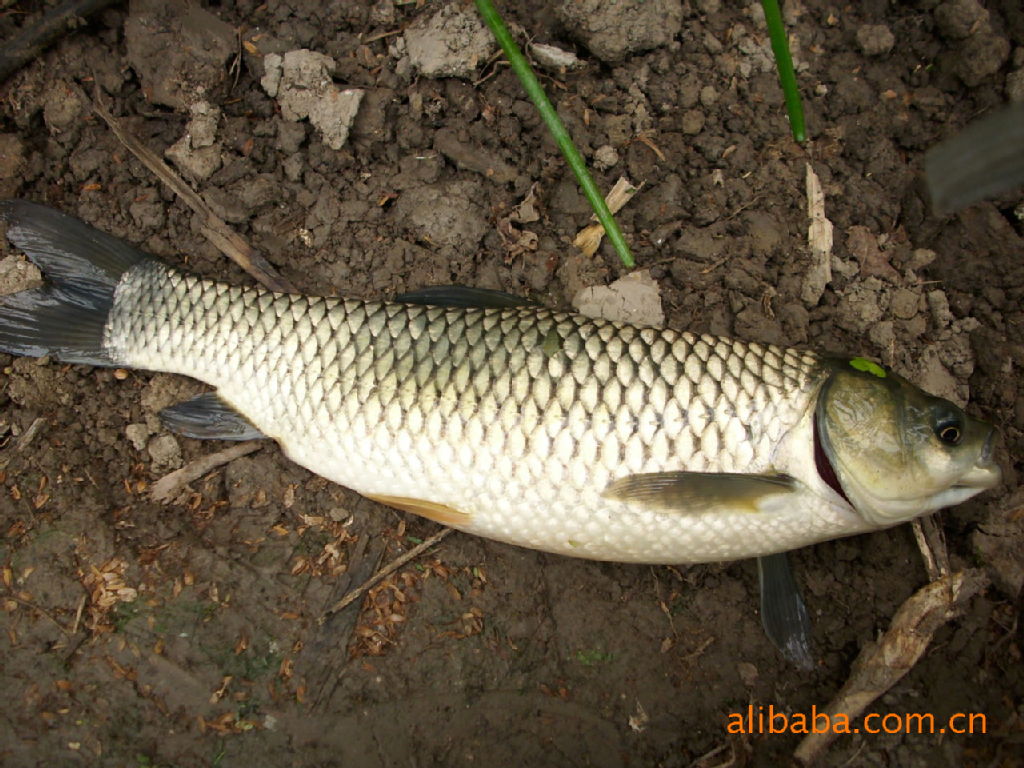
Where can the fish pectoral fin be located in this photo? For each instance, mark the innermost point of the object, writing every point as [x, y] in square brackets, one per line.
[207, 417]
[462, 296]
[699, 492]
[432, 510]
[783, 613]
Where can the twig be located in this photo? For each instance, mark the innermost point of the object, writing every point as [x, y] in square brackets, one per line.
[381, 36]
[881, 665]
[34, 607]
[388, 569]
[33, 41]
[167, 487]
[78, 614]
[29, 434]
[933, 547]
[213, 227]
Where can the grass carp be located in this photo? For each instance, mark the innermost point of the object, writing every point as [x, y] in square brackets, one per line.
[545, 429]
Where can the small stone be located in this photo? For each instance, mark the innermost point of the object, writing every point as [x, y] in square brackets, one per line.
[1015, 86]
[450, 43]
[981, 56]
[62, 106]
[959, 19]
[272, 69]
[611, 31]
[875, 39]
[290, 136]
[12, 156]
[201, 164]
[165, 453]
[748, 673]
[302, 84]
[197, 152]
[938, 304]
[921, 258]
[932, 376]
[904, 304]
[708, 96]
[202, 128]
[18, 274]
[178, 50]
[383, 12]
[693, 122]
[861, 305]
[882, 335]
[605, 157]
[444, 214]
[634, 298]
[550, 57]
[138, 435]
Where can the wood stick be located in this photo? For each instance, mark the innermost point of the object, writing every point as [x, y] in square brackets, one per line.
[169, 486]
[881, 665]
[213, 227]
[386, 571]
[16, 53]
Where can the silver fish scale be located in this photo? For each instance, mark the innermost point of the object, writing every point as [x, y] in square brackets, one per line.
[515, 418]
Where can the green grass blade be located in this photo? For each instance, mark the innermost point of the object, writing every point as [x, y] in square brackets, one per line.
[547, 112]
[784, 62]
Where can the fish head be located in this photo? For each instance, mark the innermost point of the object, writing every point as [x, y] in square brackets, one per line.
[895, 452]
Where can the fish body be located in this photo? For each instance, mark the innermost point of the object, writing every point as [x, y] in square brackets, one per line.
[511, 422]
[545, 429]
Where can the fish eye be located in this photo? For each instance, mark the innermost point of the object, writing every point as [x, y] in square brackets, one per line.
[949, 428]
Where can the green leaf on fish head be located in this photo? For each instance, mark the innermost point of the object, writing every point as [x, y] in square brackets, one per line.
[867, 366]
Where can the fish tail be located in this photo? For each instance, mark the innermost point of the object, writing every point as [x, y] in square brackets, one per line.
[66, 317]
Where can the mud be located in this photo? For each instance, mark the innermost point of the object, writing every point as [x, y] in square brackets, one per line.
[194, 634]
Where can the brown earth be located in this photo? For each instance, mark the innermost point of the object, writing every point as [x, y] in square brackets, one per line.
[136, 634]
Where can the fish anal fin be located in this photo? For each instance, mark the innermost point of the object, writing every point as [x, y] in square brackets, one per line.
[700, 492]
[432, 510]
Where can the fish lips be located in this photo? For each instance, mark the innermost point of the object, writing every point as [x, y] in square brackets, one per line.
[985, 473]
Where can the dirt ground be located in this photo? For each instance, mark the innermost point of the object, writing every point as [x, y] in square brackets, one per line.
[141, 634]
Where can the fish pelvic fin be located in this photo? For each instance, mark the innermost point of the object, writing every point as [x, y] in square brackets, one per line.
[208, 417]
[700, 492]
[66, 316]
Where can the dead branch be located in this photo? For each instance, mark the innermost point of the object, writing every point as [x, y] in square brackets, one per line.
[167, 488]
[16, 53]
[213, 227]
[386, 571]
[882, 664]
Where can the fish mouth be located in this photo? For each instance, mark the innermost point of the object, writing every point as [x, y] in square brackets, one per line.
[981, 477]
[985, 473]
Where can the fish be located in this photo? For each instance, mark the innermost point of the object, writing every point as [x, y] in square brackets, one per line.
[544, 429]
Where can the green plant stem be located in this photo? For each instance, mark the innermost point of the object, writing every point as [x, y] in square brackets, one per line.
[547, 112]
[784, 63]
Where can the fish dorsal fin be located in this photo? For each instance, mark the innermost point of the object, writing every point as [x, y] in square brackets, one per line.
[207, 417]
[462, 296]
[783, 614]
[700, 492]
